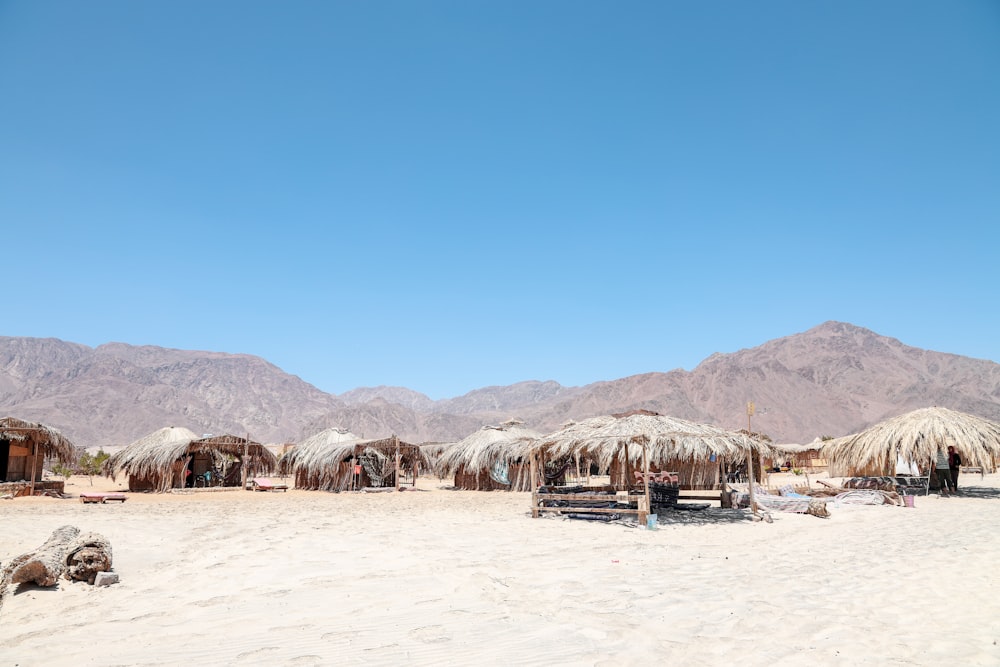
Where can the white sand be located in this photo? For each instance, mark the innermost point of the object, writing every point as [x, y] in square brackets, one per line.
[453, 577]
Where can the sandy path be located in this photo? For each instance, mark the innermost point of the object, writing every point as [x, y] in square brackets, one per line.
[435, 576]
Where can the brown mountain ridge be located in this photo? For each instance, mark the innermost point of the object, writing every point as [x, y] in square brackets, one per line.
[831, 380]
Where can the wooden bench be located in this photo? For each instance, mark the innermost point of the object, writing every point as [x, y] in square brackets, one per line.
[102, 497]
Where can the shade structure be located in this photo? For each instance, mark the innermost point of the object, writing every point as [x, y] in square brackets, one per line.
[916, 436]
[696, 450]
[148, 453]
[494, 457]
[157, 458]
[49, 441]
[340, 461]
[25, 445]
[806, 457]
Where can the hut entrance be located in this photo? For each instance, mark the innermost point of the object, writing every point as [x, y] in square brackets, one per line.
[381, 469]
[4, 459]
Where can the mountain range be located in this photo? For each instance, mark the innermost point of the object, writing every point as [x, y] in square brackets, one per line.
[831, 380]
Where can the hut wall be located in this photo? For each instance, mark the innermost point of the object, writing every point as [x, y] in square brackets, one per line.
[519, 475]
[19, 464]
[472, 480]
[338, 479]
[331, 478]
[156, 482]
[707, 475]
[810, 460]
[476, 480]
[17, 469]
[137, 483]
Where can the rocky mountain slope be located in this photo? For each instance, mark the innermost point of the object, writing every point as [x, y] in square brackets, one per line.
[831, 380]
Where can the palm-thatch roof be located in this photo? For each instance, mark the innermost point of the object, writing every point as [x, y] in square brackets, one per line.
[46, 440]
[917, 436]
[326, 461]
[153, 456]
[145, 454]
[605, 438]
[315, 446]
[482, 449]
[794, 448]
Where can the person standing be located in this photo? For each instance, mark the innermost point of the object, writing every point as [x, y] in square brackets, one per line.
[943, 472]
[955, 466]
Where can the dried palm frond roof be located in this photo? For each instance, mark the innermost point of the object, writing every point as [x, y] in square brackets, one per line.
[327, 451]
[315, 447]
[792, 448]
[150, 452]
[917, 436]
[482, 449]
[259, 456]
[667, 438]
[50, 441]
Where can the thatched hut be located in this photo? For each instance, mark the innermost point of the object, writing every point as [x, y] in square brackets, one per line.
[335, 460]
[809, 458]
[305, 455]
[493, 458]
[173, 457]
[25, 445]
[698, 453]
[915, 437]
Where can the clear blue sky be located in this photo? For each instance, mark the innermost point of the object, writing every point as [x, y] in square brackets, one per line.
[450, 195]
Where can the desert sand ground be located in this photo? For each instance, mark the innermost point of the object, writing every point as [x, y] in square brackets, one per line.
[437, 576]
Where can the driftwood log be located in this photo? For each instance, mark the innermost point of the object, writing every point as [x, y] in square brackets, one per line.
[87, 555]
[47, 563]
[65, 553]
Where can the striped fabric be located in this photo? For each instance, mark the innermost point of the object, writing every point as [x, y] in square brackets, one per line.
[775, 503]
[864, 497]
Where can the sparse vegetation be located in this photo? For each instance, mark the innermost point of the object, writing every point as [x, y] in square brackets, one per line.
[62, 470]
[90, 465]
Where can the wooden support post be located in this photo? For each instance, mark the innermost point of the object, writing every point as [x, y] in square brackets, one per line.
[534, 486]
[626, 472]
[246, 459]
[750, 455]
[413, 463]
[645, 483]
[34, 453]
[399, 486]
[643, 505]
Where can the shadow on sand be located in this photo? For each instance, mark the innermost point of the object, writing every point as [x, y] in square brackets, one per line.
[981, 492]
[712, 516]
[703, 517]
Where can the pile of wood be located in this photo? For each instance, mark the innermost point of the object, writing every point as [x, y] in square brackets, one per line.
[66, 554]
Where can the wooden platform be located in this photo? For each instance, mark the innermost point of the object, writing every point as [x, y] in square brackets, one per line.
[636, 504]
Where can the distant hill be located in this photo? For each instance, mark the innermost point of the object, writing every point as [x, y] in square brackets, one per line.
[831, 380]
